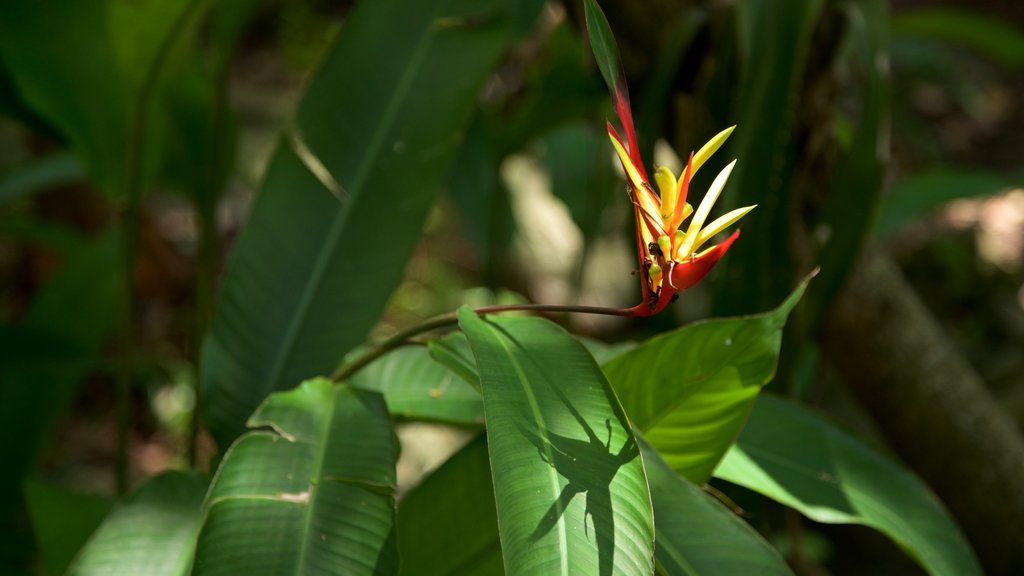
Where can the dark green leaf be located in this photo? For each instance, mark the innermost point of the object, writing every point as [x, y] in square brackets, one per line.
[151, 534]
[852, 202]
[690, 390]
[312, 272]
[568, 480]
[993, 37]
[922, 193]
[38, 175]
[606, 51]
[62, 521]
[758, 270]
[448, 526]
[801, 460]
[696, 534]
[313, 495]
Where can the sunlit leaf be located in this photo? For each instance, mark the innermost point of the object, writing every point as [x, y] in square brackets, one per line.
[690, 390]
[568, 479]
[311, 495]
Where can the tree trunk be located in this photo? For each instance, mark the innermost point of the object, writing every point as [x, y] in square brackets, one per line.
[932, 407]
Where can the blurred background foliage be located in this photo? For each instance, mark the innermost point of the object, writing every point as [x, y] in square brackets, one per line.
[134, 136]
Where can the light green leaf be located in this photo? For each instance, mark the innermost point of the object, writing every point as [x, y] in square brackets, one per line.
[312, 271]
[802, 460]
[568, 479]
[696, 534]
[690, 390]
[448, 526]
[415, 386]
[151, 534]
[313, 495]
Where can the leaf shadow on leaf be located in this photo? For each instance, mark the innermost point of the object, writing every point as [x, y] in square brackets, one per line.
[589, 467]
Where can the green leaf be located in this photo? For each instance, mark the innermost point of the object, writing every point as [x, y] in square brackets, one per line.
[696, 534]
[852, 203]
[606, 51]
[380, 125]
[690, 390]
[312, 495]
[802, 460]
[62, 522]
[50, 171]
[151, 534]
[922, 193]
[993, 37]
[759, 270]
[568, 479]
[416, 386]
[448, 526]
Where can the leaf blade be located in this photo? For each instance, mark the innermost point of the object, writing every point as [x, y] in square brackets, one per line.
[543, 397]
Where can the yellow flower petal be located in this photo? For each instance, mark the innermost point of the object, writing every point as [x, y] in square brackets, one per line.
[669, 191]
[710, 148]
[627, 164]
[693, 231]
[719, 224]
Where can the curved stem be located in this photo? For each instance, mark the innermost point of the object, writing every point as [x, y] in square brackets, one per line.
[450, 319]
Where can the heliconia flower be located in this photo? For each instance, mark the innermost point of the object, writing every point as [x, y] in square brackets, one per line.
[671, 258]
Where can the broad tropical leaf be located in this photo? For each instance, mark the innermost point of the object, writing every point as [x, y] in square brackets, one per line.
[416, 386]
[317, 262]
[802, 460]
[690, 390]
[569, 483]
[151, 534]
[695, 534]
[314, 494]
[447, 526]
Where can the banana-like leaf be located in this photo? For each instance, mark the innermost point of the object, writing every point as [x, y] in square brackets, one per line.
[314, 494]
[569, 483]
[690, 390]
[417, 387]
[322, 253]
[153, 533]
[759, 269]
[802, 460]
[448, 526]
[696, 534]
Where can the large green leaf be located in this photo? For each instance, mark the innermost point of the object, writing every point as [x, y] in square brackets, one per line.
[568, 479]
[690, 390]
[802, 460]
[759, 269]
[448, 526]
[312, 272]
[696, 534]
[312, 495]
[151, 534]
[415, 386]
[852, 202]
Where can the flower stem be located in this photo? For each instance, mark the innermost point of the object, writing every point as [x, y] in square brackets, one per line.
[450, 319]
